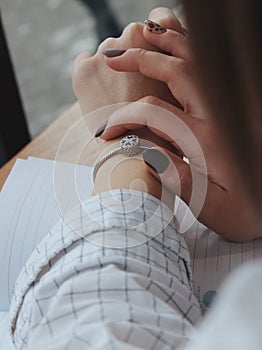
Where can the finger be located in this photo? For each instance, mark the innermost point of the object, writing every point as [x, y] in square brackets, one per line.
[83, 56]
[170, 170]
[170, 41]
[166, 18]
[173, 71]
[162, 118]
[185, 181]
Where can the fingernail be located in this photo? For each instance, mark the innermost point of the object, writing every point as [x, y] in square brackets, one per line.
[154, 27]
[101, 129]
[156, 160]
[113, 52]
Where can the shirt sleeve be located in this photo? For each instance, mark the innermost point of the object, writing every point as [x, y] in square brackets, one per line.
[113, 274]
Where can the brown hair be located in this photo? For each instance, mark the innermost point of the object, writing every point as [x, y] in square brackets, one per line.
[226, 38]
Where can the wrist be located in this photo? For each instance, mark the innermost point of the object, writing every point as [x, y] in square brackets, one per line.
[121, 172]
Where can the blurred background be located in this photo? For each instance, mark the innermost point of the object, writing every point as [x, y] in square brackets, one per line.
[45, 36]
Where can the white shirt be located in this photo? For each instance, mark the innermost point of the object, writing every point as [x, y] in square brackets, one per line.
[115, 274]
[120, 280]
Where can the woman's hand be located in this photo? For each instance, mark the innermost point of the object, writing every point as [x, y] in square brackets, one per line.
[225, 208]
[209, 184]
[96, 85]
[171, 64]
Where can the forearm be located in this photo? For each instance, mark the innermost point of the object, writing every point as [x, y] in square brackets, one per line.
[120, 172]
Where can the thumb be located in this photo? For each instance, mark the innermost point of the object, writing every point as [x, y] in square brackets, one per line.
[172, 171]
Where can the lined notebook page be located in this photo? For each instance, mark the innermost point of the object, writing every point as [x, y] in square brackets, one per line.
[34, 197]
[213, 258]
[5, 338]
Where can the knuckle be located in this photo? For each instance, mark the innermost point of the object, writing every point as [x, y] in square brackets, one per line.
[182, 65]
[79, 66]
[152, 100]
[141, 53]
[80, 72]
[107, 43]
[132, 29]
[80, 60]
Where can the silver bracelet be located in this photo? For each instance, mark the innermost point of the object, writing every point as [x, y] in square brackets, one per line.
[128, 146]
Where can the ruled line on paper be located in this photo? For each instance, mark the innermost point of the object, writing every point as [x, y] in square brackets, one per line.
[30, 185]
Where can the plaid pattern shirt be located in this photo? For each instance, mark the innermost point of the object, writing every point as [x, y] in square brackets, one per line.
[113, 274]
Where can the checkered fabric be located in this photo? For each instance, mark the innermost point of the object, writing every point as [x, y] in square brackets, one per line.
[113, 274]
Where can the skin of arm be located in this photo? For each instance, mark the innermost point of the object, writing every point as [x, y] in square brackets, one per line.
[130, 173]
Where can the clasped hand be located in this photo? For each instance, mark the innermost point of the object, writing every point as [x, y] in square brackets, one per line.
[157, 69]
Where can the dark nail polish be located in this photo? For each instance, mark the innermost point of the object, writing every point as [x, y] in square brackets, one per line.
[101, 129]
[154, 27]
[113, 52]
[156, 160]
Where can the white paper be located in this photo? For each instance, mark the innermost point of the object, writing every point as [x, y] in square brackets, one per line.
[213, 259]
[5, 338]
[35, 196]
